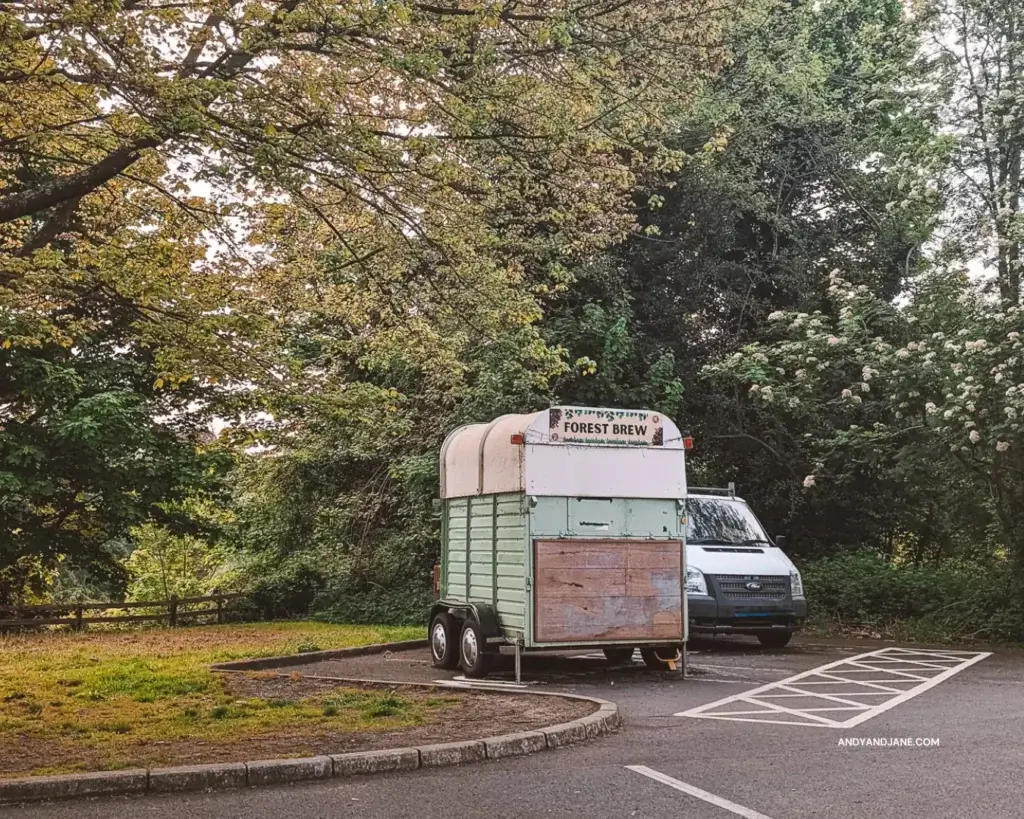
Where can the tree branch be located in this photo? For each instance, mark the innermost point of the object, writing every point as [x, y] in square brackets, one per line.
[61, 189]
[756, 440]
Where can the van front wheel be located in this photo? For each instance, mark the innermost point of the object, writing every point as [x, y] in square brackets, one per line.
[775, 639]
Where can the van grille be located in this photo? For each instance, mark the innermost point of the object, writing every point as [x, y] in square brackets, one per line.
[733, 586]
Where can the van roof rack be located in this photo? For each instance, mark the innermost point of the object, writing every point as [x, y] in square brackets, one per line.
[710, 490]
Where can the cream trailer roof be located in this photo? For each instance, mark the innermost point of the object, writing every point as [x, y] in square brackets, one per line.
[567, 451]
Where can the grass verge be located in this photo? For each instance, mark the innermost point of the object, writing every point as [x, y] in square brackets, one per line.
[113, 700]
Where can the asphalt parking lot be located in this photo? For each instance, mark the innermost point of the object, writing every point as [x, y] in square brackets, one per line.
[749, 733]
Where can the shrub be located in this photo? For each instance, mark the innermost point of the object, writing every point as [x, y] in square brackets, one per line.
[288, 589]
[395, 607]
[320, 585]
[947, 601]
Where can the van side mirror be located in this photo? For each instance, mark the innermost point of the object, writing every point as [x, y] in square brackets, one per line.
[780, 541]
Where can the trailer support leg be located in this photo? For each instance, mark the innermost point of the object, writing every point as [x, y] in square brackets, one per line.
[518, 663]
[683, 663]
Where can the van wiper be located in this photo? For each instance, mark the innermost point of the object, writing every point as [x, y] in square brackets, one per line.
[715, 542]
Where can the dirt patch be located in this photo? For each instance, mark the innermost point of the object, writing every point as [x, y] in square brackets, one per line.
[464, 716]
[345, 719]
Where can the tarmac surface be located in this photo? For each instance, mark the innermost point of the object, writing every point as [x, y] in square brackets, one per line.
[752, 733]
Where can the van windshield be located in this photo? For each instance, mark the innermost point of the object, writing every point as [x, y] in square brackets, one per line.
[722, 521]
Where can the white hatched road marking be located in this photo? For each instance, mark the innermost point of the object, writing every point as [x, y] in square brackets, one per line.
[710, 798]
[869, 675]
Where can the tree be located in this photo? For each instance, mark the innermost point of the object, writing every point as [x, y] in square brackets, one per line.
[224, 204]
[925, 402]
[366, 104]
[810, 151]
[110, 346]
[339, 512]
[83, 458]
[977, 52]
[163, 563]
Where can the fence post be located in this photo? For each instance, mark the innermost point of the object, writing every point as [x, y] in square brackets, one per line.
[172, 611]
[220, 611]
[79, 614]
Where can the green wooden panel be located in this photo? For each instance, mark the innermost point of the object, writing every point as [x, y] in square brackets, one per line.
[485, 555]
[510, 553]
[549, 518]
[653, 518]
[597, 517]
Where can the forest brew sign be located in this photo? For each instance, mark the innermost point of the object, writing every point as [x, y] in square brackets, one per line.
[567, 425]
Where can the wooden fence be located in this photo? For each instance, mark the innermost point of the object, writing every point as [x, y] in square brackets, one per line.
[175, 611]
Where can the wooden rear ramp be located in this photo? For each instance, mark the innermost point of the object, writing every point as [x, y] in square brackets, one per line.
[615, 590]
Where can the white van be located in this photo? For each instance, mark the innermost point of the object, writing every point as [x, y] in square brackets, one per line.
[738, 581]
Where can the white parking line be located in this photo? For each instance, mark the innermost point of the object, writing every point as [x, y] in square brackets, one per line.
[738, 667]
[710, 798]
[869, 675]
[491, 685]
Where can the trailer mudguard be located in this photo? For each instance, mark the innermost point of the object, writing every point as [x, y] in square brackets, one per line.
[481, 613]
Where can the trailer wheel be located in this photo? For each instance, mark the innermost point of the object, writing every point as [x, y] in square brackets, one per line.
[653, 657]
[475, 661]
[443, 649]
[618, 656]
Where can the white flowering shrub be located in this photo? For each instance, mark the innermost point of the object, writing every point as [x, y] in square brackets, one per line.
[940, 381]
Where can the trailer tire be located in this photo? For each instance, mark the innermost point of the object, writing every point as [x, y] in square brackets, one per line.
[444, 648]
[473, 657]
[618, 655]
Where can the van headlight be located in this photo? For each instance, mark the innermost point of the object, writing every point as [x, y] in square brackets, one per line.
[695, 582]
[796, 585]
